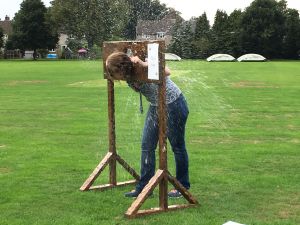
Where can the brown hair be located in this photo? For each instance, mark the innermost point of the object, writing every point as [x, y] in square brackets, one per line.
[118, 64]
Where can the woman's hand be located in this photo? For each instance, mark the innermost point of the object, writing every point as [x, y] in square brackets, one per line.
[137, 60]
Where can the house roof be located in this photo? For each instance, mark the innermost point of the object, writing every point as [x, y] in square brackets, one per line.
[151, 27]
[6, 25]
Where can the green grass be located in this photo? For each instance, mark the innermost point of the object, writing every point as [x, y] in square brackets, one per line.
[242, 137]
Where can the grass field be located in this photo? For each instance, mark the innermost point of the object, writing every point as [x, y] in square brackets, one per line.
[243, 139]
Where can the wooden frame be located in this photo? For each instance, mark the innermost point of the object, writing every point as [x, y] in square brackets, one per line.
[162, 176]
[111, 157]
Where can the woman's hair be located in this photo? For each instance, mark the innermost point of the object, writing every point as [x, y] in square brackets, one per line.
[118, 64]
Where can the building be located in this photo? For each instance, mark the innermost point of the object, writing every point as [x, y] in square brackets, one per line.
[156, 29]
[6, 26]
[62, 41]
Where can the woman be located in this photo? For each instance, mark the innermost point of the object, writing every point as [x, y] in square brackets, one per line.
[119, 65]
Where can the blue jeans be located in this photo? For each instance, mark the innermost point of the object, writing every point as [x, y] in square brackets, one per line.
[177, 113]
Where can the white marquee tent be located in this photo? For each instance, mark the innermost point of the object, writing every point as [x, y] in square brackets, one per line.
[220, 58]
[171, 56]
[251, 58]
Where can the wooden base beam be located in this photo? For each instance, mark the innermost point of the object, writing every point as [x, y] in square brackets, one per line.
[161, 177]
[109, 186]
[132, 210]
[101, 166]
[145, 212]
[110, 158]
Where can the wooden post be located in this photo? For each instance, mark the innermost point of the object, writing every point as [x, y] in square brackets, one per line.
[111, 157]
[112, 132]
[162, 121]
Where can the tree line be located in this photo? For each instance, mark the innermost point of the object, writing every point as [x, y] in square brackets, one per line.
[266, 27]
[86, 22]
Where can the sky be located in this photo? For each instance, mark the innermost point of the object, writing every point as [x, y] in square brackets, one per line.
[188, 8]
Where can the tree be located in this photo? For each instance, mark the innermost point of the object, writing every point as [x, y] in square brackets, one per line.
[291, 39]
[83, 19]
[1, 38]
[220, 33]
[119, 11]
[93, 20]
[234, 33]
[100, 20]
[201, 43]
[263, 28]
[142, 10]
[202, 28]
[182, 40]
[31, 29]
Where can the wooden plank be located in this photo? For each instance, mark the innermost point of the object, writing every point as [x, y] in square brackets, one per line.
[109, 186]
[101, 166]
[127, 167]
[111, 116]
[175, 207]
[113, 171]
[145, 193]
[162, 121]
[185, 193]
[145, 212]
[111, 132]
[101, 187]
[159, 210]
[138, 48]
[162, 118]
[163, 192]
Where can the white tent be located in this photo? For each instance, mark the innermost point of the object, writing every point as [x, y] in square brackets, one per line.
[220, 57]
[171, 56]
[251, 58]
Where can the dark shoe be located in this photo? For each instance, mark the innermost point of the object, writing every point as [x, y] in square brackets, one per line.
[174, 194]
[135, 193]
[132, 194]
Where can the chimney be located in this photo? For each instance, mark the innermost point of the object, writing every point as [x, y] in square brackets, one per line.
[7, 18]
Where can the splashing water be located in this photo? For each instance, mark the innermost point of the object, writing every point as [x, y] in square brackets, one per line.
[204, 100]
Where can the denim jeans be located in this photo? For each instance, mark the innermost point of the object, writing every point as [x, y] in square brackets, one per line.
[177, 113]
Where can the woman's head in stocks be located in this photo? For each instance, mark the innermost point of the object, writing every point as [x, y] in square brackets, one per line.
[119, 66]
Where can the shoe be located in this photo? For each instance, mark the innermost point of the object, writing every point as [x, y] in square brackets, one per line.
[132, 194]
[174, 194]
[135, 193]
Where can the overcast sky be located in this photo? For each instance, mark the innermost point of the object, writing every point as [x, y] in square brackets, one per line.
[188, 8]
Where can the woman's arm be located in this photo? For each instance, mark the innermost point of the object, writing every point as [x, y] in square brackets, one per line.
[137, 60]
[167, 71]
